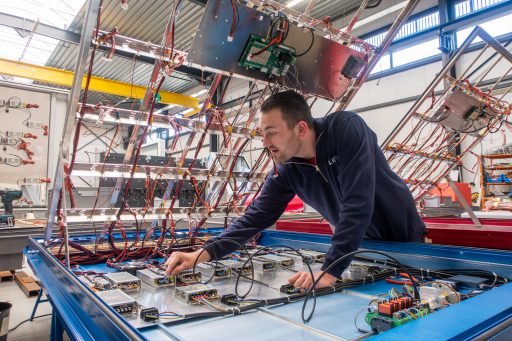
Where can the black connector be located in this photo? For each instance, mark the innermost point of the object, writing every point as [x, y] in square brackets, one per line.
[149, 314]
[287, 289]
[229, 299]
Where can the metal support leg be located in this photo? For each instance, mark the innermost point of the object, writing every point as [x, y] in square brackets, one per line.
[57, 332]
[38, 300]
[464, 203]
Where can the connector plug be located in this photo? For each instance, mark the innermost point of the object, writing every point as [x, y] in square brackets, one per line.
[149, 314]
[229, 299]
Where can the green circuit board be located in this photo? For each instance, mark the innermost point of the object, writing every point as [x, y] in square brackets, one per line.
[275, 61]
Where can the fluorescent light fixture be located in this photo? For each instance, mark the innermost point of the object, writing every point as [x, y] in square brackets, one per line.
[293, 3]
[379, 15]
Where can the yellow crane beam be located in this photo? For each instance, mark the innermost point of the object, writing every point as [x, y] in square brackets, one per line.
[108, 86]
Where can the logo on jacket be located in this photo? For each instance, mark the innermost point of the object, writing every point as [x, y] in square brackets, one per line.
[333, 160]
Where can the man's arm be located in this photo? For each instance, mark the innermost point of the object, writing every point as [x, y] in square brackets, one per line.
[356, 162]
[261, 214]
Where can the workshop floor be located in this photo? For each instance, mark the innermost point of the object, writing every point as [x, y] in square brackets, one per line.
[22, 306]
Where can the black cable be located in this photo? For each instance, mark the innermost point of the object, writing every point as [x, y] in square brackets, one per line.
[29, 116]
[27, 320]
[339, 260]
[310, 45]
[260, 252]
[216, 264]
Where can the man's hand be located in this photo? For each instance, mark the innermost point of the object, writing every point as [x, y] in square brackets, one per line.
[303, 280]
[180, 261]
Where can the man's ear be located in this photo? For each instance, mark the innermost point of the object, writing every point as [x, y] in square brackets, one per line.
[303, 128]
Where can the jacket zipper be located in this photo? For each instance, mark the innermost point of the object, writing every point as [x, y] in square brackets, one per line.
[308, 164]
[316, 166]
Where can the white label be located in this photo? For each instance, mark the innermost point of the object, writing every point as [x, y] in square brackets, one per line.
[14, 134]
[35, 125]
[8, 141]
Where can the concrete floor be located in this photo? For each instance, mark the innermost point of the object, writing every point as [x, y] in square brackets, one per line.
[37, 330]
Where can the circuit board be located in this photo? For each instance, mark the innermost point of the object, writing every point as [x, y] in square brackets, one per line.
[273, 59]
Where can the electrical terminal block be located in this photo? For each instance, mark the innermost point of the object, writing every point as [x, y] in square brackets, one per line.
[316, 256]
[119, 301]
[262, 265]
[259, 250]
[298, 261]
[391, 306]
[124, 281]
[280, 261]
[188, 277]
[216, 272]
[156, 277]
[191, 294]
[236, 266]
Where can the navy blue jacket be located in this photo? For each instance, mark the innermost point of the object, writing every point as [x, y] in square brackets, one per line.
[352, 186]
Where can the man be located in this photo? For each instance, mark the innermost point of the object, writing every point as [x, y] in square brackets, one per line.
[333, 164]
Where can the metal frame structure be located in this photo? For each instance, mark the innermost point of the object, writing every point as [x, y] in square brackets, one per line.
[433, 156]
[166, 60]
[78, 311]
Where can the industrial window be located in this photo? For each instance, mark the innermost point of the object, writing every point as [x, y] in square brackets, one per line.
[383, 64]
[417, 52]
[410, 54]
[496, 27]
[414, 26]
[466, 7]
[19, 45]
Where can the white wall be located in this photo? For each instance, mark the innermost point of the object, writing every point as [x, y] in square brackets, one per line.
[15, 121]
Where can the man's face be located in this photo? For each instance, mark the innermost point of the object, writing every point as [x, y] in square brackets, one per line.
[283, 142]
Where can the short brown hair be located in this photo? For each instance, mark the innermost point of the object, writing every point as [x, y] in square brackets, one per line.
[293, 106]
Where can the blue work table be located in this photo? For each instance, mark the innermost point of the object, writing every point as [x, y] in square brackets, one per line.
[79, 312]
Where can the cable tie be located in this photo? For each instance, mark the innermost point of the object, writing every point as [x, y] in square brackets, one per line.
[333, 289]
[236, 311]
[288, 298]
[495, 278]
[373, 278]
[266, 302]
[395, 271]
[364, 280]
[421, 269]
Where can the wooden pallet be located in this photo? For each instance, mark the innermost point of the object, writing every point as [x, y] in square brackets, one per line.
[6, 276]
[27, 283]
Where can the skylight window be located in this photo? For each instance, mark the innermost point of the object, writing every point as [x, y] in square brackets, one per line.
[33, 48]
